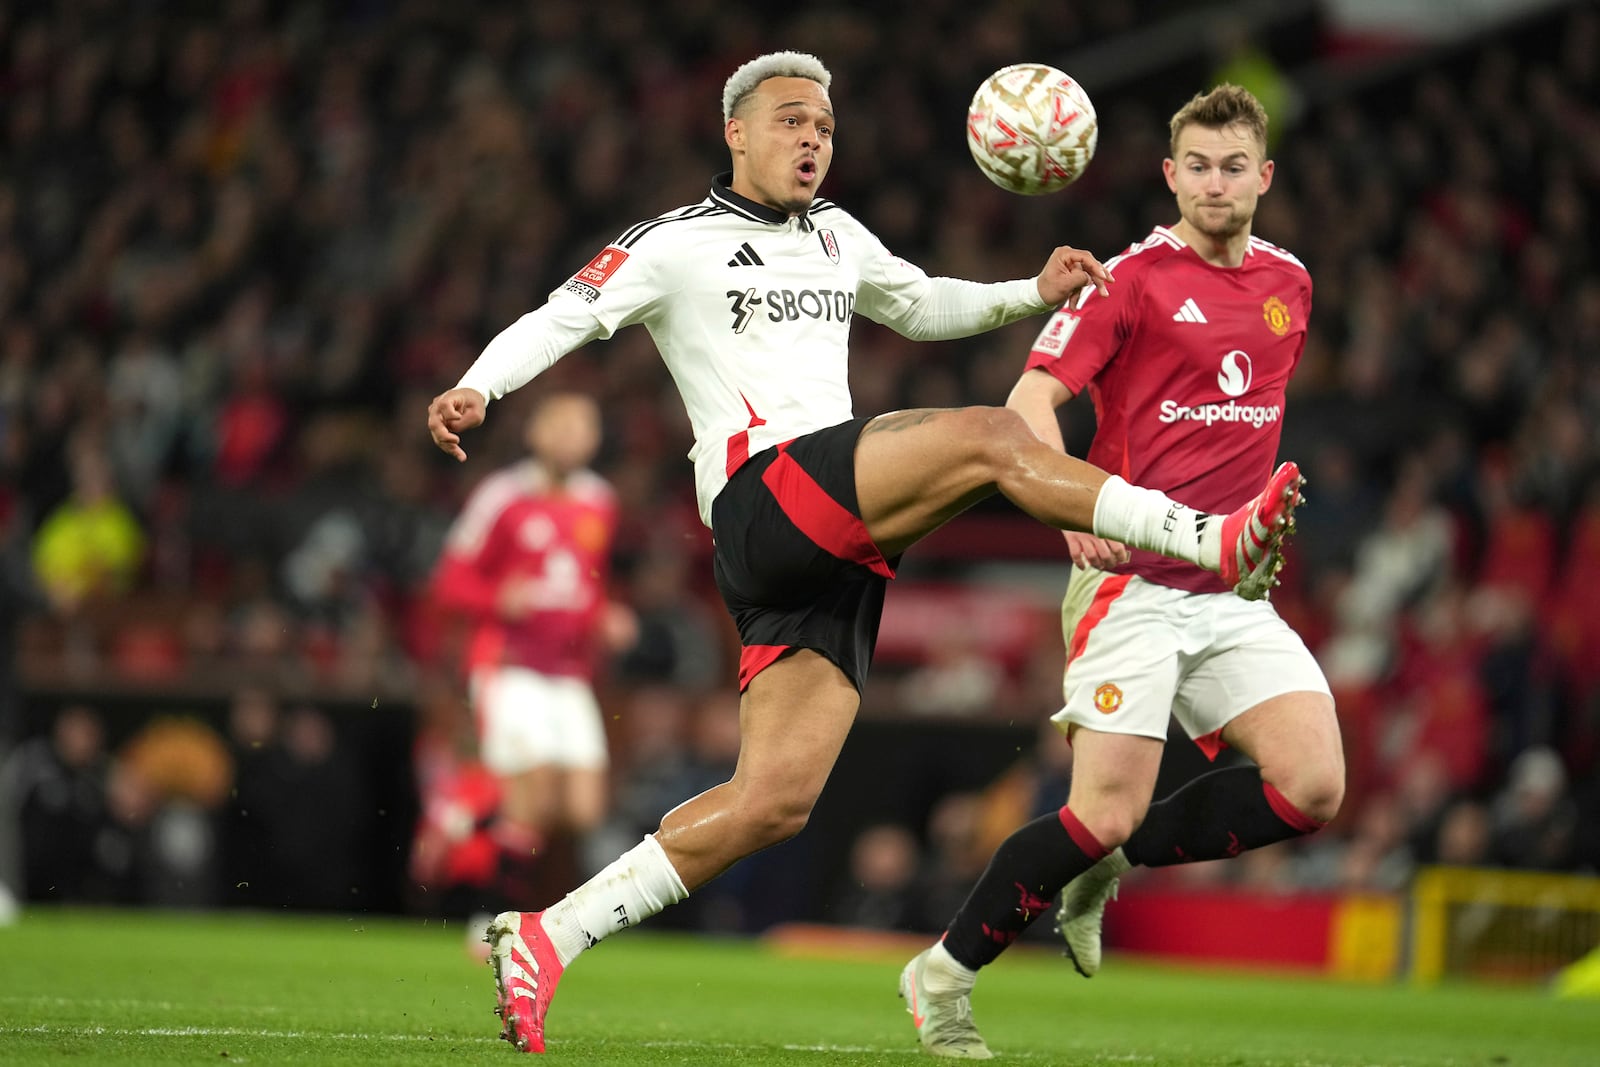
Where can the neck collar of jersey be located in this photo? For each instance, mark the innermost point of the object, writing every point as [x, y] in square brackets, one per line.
[722, 193]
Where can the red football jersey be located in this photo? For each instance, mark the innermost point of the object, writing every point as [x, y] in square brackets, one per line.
[1187, 365]
[516, 528]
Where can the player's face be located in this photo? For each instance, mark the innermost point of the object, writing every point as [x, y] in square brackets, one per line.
[781, 139]
[565, 433]
[1217, 176]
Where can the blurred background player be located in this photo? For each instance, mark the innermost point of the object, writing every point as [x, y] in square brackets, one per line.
[527, 562]
[1186, 359]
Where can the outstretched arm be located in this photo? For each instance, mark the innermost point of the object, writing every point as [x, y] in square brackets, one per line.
[526, 348]
[904, 298]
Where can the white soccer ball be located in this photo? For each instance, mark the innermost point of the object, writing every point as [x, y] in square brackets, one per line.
[1031, 128]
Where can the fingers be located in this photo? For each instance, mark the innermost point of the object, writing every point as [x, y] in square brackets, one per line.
[441, 413]
[1087, 551]
[1093, 270]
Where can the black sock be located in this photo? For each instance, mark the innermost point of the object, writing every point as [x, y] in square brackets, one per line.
[1027, 871]
[1217, 815]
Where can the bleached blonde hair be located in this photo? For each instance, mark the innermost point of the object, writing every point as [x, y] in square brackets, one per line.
[742, 82]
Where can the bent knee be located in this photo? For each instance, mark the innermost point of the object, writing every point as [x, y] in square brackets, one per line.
[775, 821]
[1318, 795]
[996, 434]
[1111, 828]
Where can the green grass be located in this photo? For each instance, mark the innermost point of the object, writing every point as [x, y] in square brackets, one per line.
[143, 988]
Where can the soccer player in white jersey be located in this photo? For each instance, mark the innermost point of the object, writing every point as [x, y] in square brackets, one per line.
[1186, 359]
[748, 296]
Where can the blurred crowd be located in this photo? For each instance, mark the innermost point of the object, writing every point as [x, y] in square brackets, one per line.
[242, 244]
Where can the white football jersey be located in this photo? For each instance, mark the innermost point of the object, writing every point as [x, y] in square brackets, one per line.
[750, 309]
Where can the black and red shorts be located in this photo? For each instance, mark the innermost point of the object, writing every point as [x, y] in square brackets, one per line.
[793, 560]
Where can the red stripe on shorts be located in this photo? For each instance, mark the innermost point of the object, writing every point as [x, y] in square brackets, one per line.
[1109, 590]
[828, 523]
[753, 659]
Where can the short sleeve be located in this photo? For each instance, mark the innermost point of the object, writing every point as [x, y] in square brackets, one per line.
[1084, 335]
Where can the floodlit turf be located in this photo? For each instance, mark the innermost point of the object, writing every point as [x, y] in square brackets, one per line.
[142, 988]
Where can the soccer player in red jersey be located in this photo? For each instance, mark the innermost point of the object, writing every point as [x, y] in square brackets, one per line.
[1186, 359]
[528, 561]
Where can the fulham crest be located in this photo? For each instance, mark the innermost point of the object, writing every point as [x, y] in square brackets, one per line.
[830, 244]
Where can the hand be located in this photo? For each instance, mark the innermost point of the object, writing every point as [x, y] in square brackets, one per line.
[514, 598]
[1087, 551]
[1066, 271]
[619, 627]
[450, 413]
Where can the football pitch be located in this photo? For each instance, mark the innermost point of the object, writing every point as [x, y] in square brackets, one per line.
[166, 988]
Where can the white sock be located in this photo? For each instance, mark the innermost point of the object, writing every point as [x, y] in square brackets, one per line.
[633, 887]
[946, 974]
[1150, 519]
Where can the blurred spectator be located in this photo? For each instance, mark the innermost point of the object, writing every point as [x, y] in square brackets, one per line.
[1535, 822]
[298, 807]
[1463, 839]
[955, 854]
[252, 734]
[184, 773]
[57, 787]
[680, 639]
[90, 545]
[880, 890]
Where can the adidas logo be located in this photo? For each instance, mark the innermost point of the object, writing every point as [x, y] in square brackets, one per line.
[746, 257]
[1189, 312]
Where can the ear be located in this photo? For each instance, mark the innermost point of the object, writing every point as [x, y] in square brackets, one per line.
[1267, 169]
[733, 134]
[1169, 170]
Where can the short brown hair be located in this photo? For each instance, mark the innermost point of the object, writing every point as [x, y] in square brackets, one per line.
[1224, 106]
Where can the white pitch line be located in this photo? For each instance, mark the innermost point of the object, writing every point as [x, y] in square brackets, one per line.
[137, 1005]
[230, 1031]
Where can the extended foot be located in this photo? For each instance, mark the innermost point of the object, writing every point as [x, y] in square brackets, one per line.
[1083, 906]
[1253, 536]
[526, 972]
[943, 1020]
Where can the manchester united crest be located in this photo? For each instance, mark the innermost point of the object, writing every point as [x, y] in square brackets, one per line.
[1107, 698]
[1276, 312]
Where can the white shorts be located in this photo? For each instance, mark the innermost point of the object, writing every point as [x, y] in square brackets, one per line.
[1138, 652]
[527, 719]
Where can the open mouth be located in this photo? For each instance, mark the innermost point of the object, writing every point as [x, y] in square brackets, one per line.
[807, 170]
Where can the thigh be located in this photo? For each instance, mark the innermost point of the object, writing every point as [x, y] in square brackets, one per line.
[583, 797]
[793, 720]
[1113, 778]
[530, 797]
[1253, 659]
[1123, 662]
[1291, 737]
[918, 469]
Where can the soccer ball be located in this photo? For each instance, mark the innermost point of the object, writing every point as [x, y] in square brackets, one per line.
[1031, 128]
